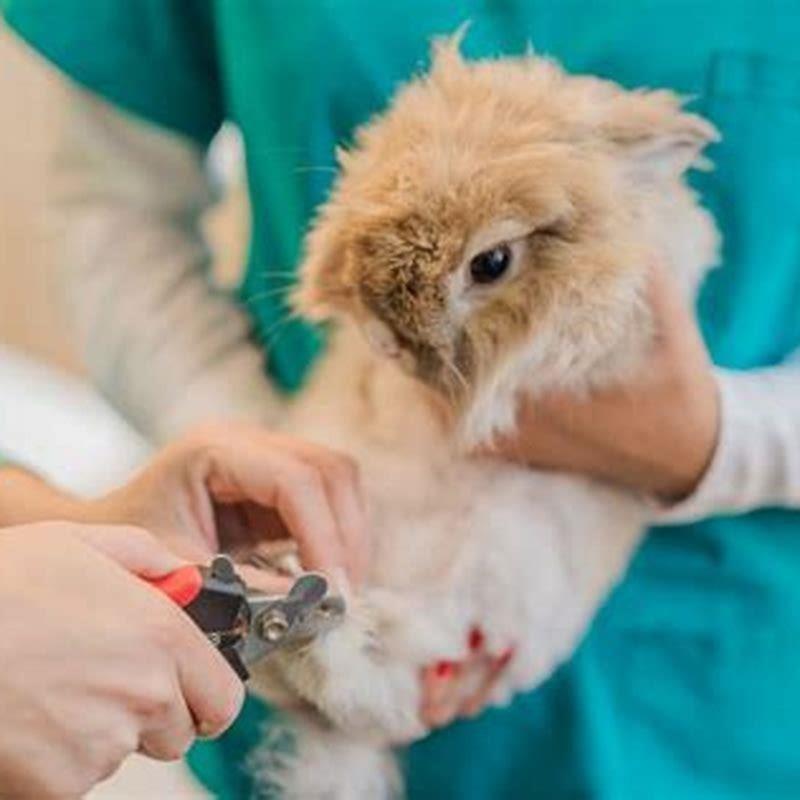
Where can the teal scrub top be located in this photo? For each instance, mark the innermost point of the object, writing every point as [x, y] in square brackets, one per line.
[688, 684]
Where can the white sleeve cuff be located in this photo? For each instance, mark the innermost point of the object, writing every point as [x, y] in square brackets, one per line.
[757, 458]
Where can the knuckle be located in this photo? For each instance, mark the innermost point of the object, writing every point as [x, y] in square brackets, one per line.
[157, 705]
[104, 757]
[343, 469]
[163, 633]
[176, 750]
[156, 701]
[203, 442]
[171, 748]
[305, 479]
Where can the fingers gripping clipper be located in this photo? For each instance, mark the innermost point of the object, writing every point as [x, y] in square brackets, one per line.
[247, 626]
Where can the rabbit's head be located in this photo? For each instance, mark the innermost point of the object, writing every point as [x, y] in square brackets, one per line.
[495, 219]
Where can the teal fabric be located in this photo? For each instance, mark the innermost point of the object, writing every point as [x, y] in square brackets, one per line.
[687, 685]
[166, 46]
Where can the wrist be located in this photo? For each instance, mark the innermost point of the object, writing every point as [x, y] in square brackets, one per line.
[27, 498]
[693, 452]
[743, 471]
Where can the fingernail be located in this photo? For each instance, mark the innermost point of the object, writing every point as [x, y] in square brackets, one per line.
[205, 730]
[476, 639]
[445, 670]
[504, 658]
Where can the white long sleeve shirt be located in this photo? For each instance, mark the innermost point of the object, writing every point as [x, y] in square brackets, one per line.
[757, 459]
[169, 350]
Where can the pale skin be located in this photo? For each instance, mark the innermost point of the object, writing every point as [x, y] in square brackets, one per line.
[96, 664]
[100, 664]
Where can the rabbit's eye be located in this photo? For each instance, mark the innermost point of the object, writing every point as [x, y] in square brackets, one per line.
[490, 265]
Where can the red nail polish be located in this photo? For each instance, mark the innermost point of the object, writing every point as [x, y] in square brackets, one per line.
[476, 639]
[505, 657]
[445, 669]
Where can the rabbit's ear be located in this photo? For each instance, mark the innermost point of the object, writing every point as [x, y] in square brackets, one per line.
[445, 54]
[655, 134]
[321, 290]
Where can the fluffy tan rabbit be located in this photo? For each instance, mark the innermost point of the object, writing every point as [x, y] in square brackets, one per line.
[489, 235]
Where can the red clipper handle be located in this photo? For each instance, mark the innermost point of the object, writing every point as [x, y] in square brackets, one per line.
[181, 586]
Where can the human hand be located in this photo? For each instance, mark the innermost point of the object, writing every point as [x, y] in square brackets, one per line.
[453, 689]
[235, 486]
[655, 434]
[96, 663]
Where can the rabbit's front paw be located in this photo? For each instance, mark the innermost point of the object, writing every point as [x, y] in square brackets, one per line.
[352, 678]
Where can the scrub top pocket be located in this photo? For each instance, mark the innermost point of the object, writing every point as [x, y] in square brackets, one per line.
[754, 100]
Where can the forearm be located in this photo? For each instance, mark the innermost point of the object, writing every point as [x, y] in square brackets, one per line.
[757, 458]
[166, 348]
[26, 498]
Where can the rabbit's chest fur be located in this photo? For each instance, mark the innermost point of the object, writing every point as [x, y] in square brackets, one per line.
[458, 541]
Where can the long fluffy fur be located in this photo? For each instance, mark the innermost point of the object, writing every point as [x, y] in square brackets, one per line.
[586, 180]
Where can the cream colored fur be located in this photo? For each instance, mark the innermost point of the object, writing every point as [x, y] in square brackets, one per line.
[585, 181]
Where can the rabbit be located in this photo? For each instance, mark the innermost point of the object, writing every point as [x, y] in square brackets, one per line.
[489, 236]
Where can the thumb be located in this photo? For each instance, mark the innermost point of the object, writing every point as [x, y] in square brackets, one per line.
[135, 549]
